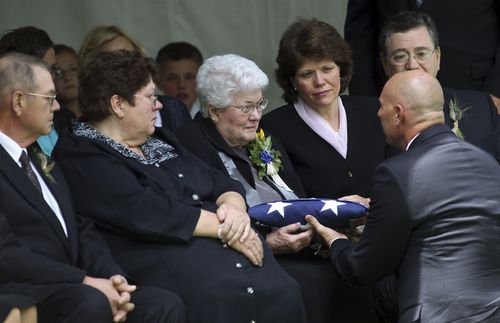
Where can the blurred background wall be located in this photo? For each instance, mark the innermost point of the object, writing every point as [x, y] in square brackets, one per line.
[250, 28]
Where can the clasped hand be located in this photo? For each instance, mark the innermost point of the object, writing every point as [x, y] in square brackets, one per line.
[238, 234]
[117, 291]
[235, 223]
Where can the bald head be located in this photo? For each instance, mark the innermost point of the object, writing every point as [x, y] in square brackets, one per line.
[411, 101]
[419, 92]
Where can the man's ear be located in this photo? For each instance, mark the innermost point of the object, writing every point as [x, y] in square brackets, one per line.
[18, 103]
[399, 114]
[117, 106]
[438, 54]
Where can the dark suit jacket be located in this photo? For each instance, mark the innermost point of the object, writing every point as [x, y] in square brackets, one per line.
[35, 254]
[203, 139]
[322, 170]
[480, 123]
[174, 113]
[469, 36]
[147, 214]
[434, 220]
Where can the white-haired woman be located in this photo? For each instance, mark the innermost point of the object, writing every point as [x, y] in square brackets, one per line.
[231, 103]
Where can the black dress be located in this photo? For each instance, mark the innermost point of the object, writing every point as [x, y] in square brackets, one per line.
[327, 299]
[147, 209]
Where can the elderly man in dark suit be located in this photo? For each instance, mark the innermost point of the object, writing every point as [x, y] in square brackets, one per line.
[434, 217]
[409, 41]
[470, 42]
[47, 254]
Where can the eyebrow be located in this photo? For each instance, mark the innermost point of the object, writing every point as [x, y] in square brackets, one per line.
[406, 49]
[250, 101]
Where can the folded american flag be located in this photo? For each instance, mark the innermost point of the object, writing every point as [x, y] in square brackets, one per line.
[329, 212]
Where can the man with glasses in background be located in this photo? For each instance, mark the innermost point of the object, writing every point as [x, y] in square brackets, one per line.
[409, 41]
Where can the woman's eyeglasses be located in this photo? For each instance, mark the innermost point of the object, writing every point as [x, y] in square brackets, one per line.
[151, 98]
[248, 108]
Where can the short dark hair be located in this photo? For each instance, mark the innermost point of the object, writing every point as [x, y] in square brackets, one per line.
[177, 51]
[405, 21]
[61, 48]
[28, 40]
[310, 40]
[120, 72]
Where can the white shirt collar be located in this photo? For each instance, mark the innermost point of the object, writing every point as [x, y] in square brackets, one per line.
[411, 141]
[12, 147]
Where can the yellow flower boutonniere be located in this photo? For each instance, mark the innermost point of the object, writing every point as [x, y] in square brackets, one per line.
[266, 159]
[456, 114]
[46, 164]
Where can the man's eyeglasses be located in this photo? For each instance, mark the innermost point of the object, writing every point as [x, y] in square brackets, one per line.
[59, 73]
[151, 98]
[50, 98]
[421, 56]
[248, 108]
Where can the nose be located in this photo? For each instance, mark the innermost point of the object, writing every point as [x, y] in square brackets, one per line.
[55, 106]
[157, 105]
[255, 115]
[318, 79]
[412, 63]
[182, 82]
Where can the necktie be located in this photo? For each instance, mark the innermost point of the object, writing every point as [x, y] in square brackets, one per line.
[25, 165]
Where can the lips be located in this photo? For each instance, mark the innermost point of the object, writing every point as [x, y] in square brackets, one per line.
[322, 93]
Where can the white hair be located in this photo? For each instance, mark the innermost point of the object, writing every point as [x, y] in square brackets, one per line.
[220, 78]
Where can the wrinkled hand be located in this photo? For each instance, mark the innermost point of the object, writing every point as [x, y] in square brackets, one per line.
[106, 286]
[236, 223]
[356, 198]
[496, 101]
[250, 248]
[125, 290]
[289, 239]
[326, 234]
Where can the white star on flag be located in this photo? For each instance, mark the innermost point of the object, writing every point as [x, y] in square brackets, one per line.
[278, 206]
[331, 205]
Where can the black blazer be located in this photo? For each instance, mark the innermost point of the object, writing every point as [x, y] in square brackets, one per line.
[35, 254]
[480, 123]
[470, 51]
[203, 139]
[322, 170]
[434, 220]
[174, 113]
[147, 214]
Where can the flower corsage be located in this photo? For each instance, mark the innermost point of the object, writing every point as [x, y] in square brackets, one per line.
[266, 159]
[456, 114]
[46, 164]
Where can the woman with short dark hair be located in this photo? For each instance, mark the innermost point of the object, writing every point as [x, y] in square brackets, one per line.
[169, 219]
[334, 143]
